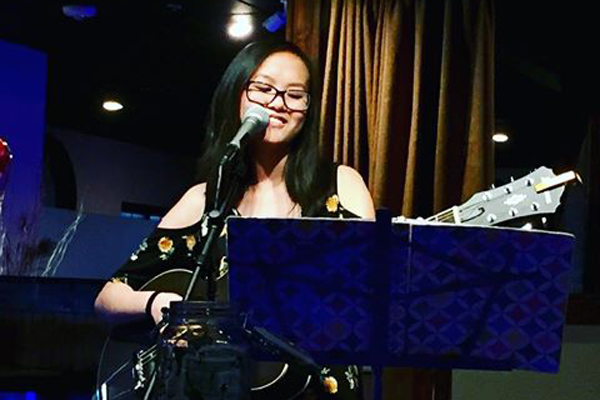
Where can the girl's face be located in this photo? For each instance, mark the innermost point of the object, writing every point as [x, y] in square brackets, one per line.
[281, 71]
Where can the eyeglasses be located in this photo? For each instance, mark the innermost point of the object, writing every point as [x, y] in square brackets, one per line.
[264, 94]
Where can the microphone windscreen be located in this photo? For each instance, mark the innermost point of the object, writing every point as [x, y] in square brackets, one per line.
[259, 114]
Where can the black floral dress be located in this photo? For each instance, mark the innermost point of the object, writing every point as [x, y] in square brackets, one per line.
[166, 249]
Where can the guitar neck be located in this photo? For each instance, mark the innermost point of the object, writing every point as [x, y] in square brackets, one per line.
[451, 215]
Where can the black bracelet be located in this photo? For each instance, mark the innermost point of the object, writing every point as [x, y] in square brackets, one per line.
[149, 303]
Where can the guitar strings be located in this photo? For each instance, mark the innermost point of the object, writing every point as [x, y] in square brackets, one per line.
[444, 216]
[148, 354]
[448, 215]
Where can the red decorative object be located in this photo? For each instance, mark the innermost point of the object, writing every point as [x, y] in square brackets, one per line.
[5, 156]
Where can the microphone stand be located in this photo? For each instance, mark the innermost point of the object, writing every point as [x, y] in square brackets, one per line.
[216, 222]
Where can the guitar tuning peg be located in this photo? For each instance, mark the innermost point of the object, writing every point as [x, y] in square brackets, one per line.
[528, 226]
[492, 186]
[512, 179]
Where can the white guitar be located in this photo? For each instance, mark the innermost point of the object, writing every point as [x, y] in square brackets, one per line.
[535, 194]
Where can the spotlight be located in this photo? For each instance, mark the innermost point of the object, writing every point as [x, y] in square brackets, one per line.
[112, 105]
[240, 26]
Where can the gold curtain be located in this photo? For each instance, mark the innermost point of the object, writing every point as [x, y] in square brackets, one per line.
[408, 97]
[408, 100]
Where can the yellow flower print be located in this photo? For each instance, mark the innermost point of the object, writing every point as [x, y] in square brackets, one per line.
[190, 241]
[332, 203]
[165, 245]
[330, 384]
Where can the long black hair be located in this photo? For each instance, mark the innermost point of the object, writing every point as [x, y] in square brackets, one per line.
[304, 172]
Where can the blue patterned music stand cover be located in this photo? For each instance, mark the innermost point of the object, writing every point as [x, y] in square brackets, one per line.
[376, 293]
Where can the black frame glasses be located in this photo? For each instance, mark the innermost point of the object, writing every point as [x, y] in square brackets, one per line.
[258, 92]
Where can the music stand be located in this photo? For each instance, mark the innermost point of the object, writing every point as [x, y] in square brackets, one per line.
[404, 294]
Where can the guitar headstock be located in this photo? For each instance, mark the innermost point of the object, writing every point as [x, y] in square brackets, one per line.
[534, 194]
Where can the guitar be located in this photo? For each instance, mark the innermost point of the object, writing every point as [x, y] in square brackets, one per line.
[127, 358]
[535, 194]
[128, 353]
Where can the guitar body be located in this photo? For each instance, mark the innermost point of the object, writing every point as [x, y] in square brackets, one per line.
[127, 355]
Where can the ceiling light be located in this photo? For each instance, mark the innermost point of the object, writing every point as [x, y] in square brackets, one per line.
[111, 105]
[240, 26]
[500, 137]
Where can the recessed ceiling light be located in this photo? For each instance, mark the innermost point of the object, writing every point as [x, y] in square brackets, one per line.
[500, 137]
[240, 26]
[111, 105]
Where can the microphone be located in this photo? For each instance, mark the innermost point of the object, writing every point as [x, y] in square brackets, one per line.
[255, 121]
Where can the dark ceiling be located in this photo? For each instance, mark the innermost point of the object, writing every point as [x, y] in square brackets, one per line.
[163, 60]
[546, 80]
